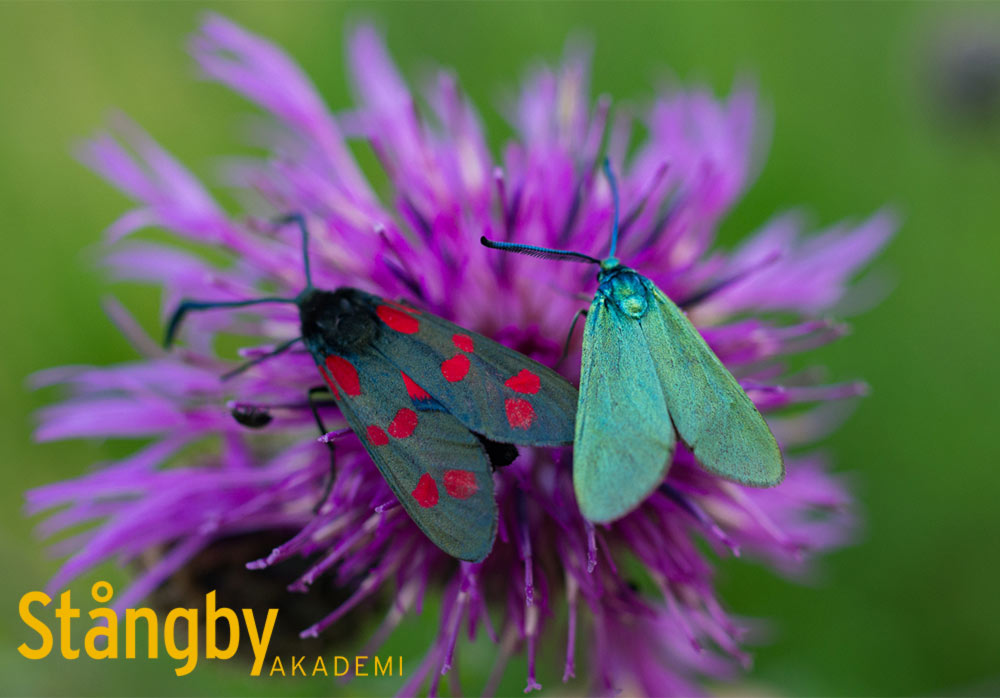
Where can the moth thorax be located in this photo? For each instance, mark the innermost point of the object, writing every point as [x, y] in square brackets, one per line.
[337, 321]
[629, 294]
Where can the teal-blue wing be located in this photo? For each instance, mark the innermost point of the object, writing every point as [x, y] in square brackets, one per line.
[711, 412]
[436, 467]
[624, 438]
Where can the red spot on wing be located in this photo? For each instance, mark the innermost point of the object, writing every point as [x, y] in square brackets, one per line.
[377, 436]
[463, 342]
[414, 390]
[524, 382]
[460, 484]
[397, 319]
[455, 368]
[404, 308]
[520, 413]
[344, 373]
[426, 491]
[403, 423]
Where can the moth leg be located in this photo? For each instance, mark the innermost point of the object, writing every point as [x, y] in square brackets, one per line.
[569, 335]
[311, 397]
[281, 349]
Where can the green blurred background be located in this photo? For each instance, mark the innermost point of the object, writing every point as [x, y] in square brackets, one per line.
[912, 609]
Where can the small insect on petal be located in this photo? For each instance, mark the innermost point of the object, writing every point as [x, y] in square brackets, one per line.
[426, 491]
[520, 413]
[377, 435]
[460, 484]
[456, 368]
[397, 319]
[524, 382]
[345, 374]
[463, 342]
[403, 424]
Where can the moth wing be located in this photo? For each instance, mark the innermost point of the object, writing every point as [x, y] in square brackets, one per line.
[624, 438]
[491, 389]
[434, 465]
[711, 412]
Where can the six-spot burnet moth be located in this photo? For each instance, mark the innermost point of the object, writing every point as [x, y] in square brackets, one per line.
[435, 405]
[647, 374]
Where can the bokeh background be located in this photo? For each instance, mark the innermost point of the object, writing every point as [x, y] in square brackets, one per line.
[873, 104]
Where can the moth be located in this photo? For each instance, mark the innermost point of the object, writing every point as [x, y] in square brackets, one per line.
[436, 406]
[648, 378]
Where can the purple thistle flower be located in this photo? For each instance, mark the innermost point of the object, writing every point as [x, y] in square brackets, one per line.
[656, 627]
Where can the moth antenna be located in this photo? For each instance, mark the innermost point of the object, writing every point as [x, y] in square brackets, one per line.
[540, 252]
[613, 183]
[188, 306]
[300, 220]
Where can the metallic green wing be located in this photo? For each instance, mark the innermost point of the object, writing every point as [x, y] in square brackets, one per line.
[624, 439]
[711, 412]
